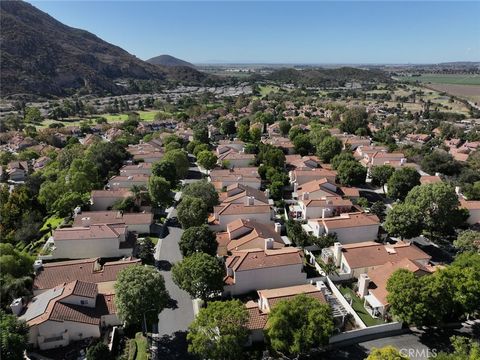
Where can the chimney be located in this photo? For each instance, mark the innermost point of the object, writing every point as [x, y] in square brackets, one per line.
[17, 306]
[457, 190]
[267, 193]
[437, 174]
[37, 265]
[363, 282]
[337, 253]
[305, 195]
[321, 286]
[324, 213]
[250, 200]
[85, 221]
[278, 228]
[268, 244]
[403, 161]
[76, 211]
[295, 187]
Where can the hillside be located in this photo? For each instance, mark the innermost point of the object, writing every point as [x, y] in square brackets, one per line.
[168, 60]
[42, 56]
[327, 77]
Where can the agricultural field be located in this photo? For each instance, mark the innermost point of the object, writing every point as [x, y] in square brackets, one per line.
[469, 92]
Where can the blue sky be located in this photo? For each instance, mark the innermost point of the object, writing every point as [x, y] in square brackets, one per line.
[282, 32]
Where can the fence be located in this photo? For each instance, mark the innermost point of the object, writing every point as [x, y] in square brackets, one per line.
[382, 330]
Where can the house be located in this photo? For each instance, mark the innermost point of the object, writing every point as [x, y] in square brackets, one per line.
[40, 163]
[360, 258]
[69, 312]
[237, 194]
[222, 178]
[255, 269]
[418, 138]
[314, 190]
[224, 214]
[267, 299]
[283, 143]
[136, 169]
[237, 145]
[353, 141]
[236, 159]
[325, 207]
[274, 129]
[383, 158]
[17, 170]
[303, 175]
[372, 287]
[105, 199]
[473, 207]
[145, 153]
[126, 182]
[297, 161]
[245, 234]
[102, 240]
[427, 179]
[136, 222]
[348, 227]
[50, 275]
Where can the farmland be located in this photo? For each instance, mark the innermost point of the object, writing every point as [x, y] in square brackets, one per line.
[453, 79]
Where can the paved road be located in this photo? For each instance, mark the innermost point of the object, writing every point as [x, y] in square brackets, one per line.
[173, 321]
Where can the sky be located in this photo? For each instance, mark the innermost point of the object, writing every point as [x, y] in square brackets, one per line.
[316, 32]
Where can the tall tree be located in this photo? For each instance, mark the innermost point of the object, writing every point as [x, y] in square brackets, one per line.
[401, 182]
[198, 239]
[138, 291]
[351, 173]
[203, 190]
[180, 159]
[192, 211]
[328, 148]
[200, 274]
[13, 337]
[207, 159]
[159, 191]
[219, 331]
[381, 174]
[299, 325]
[404, 220]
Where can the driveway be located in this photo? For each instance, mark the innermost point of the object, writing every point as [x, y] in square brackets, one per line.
[173, 321]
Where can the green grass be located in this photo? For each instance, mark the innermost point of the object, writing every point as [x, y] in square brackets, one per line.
[154, 240]
[357, 305]
[267, 89]
[54, 221]
[456, 79]
[142, 347]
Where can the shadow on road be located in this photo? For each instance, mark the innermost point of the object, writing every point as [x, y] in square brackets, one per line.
[352, 352]
[172, 304]
[163, 265]
[174, 346]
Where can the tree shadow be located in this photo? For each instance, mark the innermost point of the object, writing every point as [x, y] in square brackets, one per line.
[173, 347]
[351, 352]
[163, 265]
[172, 304]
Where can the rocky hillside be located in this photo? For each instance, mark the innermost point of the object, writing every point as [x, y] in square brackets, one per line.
[42, 56]
[168, 60]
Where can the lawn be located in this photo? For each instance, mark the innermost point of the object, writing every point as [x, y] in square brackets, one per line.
[154, 240]
[267, 89]
[142, 347]
[357, 305]
[454, 79]
[54, 221]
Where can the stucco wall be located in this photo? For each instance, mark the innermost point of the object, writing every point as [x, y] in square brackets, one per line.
[82, 249]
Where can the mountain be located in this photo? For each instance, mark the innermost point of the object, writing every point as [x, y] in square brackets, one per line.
[327, 77]
[168, 60]
[42, 56]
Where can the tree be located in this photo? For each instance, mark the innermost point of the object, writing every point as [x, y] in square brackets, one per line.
[145, 249]
[199, 148]
[386, 353]
[68, 201]
[200, 133]
[108, 157]
[271, 156]
[255, 134]
[404, 220]
[159, 191]
[98, 351]
[219, 331]
[353, 119]
[297, 235]
[33, 115]
[468, 241]
[14, 337]
[192, 211]
[328, 148]
[380, 175]
[82, 176]
[243, 132]
[180, 159]
[438, 205]
[227, 127]
[464, 349]
[298, 325]
[378, 208]
[284, 127]
[302, 144]
[203, 190]
[440, 161]
[343, 156]
[138, 291]
[200, 274]
[198, 239]
[401, 182]
[351, 173]
[472, 191]
[407, 298]
[207, 159]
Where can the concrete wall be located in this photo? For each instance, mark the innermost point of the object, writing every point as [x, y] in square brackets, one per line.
[381, 330]
[356, 234]
[82, 249]
[104, 203]
[71, 331]
[140, 228]
[266, 278]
